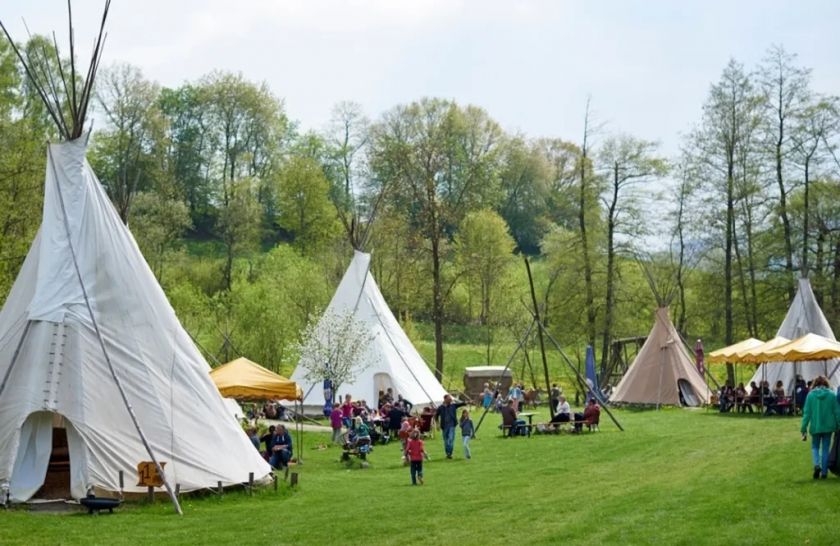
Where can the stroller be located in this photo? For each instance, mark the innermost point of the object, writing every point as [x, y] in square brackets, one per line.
[358, 446]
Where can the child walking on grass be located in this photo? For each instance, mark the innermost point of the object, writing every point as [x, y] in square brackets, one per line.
[467, 431]
[414, 452]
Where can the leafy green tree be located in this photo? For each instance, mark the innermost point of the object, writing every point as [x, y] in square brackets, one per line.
[123, 153]
[442, 161]
[158, 223]
[626, 163]
[305, 210]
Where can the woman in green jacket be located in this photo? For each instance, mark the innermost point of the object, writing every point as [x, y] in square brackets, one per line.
[822, 412]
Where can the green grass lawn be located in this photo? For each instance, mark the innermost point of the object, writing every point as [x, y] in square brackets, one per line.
[673, 477]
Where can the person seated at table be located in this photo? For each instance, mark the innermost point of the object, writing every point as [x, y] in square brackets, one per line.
[779, 404]
[281, 448]
[742, 401]
[381, 400]
[509, 420]
[727, 399]
[591, 415]
[268, 439]
[779, 390]
[755, 395]
[564, 411]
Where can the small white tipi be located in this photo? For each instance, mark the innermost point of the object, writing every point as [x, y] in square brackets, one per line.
[394, 361]
[803, 317]
[92, 352]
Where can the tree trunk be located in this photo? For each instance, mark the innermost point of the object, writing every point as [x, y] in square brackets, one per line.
[783, 210]
[805, 215]
[437, 306]
[727, 268]
[610, 297]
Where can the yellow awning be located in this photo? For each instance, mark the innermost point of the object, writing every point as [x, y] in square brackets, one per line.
[246, 380]
[755, 355]
[727, 354]
[807, 347]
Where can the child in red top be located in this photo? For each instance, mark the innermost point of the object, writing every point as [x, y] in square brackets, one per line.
[347, 411]
[335, 422]
[415, 452]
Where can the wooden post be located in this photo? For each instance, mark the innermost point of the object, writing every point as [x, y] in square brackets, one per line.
[275, 481]
[294, 480]
[177, 489]
[286, 474]
[220, 488]
[250, 483]
[151, 494]
[122, 483]
[539, 334]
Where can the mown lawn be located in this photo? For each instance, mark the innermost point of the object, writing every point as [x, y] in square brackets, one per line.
[673, 477]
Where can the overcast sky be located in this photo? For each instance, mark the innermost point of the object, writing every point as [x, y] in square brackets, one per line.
[646, 64]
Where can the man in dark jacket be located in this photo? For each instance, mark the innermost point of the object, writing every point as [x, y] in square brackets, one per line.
[447, 418]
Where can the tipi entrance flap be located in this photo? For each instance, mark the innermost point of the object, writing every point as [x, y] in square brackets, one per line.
[33, 456]
[687, 394]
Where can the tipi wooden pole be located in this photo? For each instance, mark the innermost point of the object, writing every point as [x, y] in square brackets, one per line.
[578, 375]
[539, 335]
[124, 397]
[512, 356]
[14, 357]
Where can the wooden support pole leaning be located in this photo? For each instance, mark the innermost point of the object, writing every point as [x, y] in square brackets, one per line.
[577, 373]
[518, 347]
[536, 315]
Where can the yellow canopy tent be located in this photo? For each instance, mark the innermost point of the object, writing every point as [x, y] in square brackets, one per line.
[246, 380]
[755, 355]
[727, 354]
[807, 347]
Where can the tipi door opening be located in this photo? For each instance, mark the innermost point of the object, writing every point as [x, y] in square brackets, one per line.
[381, 382]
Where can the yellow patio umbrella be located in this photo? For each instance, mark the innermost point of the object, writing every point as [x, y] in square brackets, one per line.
[756, 354]
[807, 347]
[246, 380]
[728, 353]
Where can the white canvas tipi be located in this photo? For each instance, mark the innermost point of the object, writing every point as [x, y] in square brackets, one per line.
[662, 370]
[803, 317]
[85, 273]
[394, 361]
[90, 347]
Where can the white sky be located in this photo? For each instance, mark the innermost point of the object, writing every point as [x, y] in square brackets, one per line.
[647, 64]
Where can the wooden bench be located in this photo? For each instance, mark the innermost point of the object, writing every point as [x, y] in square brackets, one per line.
[507, 429]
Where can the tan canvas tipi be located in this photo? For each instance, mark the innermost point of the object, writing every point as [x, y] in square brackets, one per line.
[663, 372]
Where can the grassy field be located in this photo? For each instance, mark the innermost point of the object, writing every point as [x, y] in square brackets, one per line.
[673, 477]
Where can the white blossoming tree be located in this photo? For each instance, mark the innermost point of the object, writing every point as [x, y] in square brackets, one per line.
[336, 348]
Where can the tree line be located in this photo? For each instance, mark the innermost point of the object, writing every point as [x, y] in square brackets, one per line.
[248, 220]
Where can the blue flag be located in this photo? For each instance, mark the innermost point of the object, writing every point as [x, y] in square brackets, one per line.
[328, 397]
[591, 376]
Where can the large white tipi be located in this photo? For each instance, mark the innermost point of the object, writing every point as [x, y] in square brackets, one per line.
[394, 362]
[803, 317]
[90, 348]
